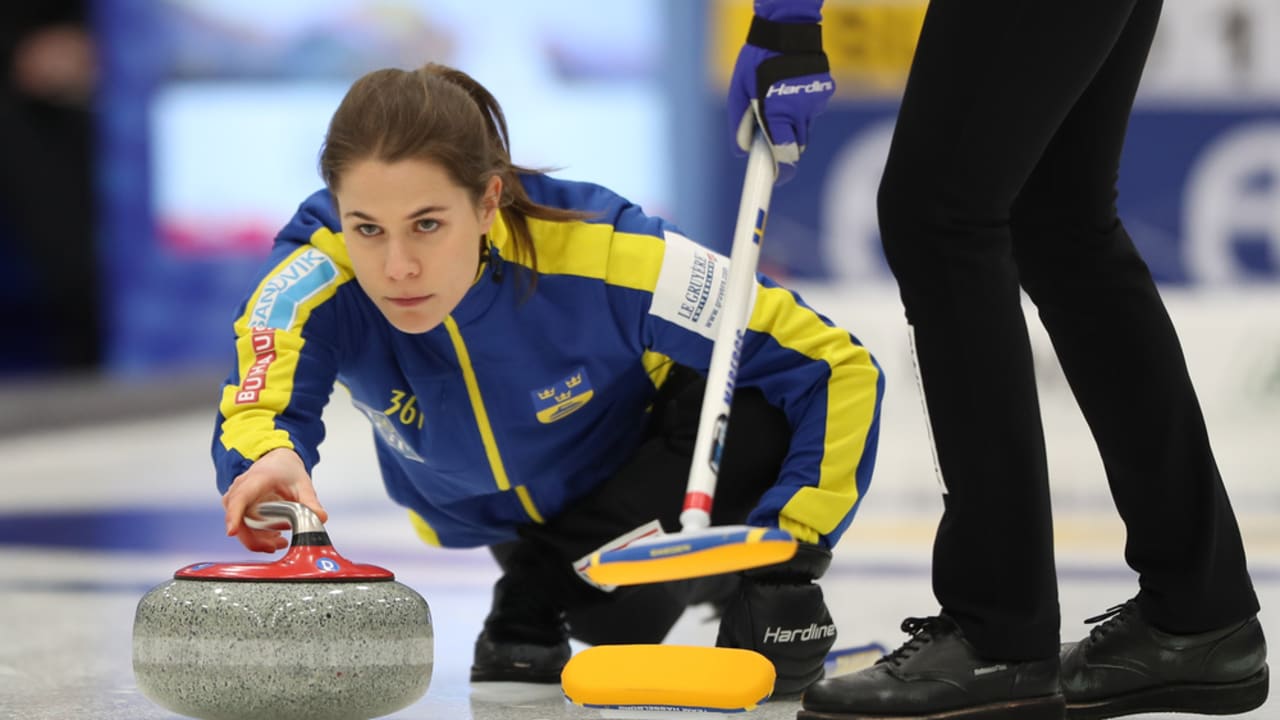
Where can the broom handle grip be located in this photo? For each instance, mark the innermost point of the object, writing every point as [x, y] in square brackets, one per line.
[739, 298]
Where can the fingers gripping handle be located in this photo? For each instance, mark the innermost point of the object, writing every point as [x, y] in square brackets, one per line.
[744, 258]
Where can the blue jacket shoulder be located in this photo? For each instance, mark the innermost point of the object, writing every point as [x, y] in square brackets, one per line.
[317, 211]
[601, 204]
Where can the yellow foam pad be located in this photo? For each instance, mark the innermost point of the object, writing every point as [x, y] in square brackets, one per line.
[668, 677]
[671, 557]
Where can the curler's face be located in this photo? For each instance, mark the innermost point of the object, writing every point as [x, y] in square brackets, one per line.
[414, 237]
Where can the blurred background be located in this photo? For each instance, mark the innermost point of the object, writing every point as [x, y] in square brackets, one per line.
[152, 149]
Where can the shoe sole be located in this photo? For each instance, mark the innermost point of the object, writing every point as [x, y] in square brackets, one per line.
[1216, 699]
[516, 675]
[1052, 707]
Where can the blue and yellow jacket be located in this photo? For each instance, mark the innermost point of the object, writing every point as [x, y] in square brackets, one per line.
[521, 402]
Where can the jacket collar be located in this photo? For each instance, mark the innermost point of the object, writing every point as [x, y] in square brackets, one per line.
[490, 277]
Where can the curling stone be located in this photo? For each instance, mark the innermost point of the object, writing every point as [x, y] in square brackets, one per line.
[311, 636]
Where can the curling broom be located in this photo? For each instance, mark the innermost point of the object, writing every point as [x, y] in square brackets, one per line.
[699, 549]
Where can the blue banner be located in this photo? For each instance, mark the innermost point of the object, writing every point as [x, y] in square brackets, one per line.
[1199, 191]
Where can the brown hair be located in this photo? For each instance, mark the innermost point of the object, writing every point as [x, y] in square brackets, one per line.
[440, 114]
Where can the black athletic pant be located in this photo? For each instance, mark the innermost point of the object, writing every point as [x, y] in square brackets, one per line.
[650, 486]
[1002, 174]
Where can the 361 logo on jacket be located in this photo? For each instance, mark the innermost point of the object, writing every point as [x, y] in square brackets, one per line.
[552, 403]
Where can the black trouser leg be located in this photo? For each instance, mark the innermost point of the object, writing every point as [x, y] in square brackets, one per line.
[1121, 356]
[652, 486]
[991, 83]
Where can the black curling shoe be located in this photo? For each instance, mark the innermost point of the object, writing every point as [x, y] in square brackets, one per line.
[1126, 666]
[522, 662]
[524, 639]
[937, 675]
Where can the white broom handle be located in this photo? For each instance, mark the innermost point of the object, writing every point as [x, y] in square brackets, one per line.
[744, 258]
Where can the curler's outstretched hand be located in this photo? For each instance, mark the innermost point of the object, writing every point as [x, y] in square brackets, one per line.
[277, 475]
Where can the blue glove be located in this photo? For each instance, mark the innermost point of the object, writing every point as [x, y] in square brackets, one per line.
[781, 80]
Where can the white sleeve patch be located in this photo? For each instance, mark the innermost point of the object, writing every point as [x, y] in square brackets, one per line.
[308, 273]
[691, 286]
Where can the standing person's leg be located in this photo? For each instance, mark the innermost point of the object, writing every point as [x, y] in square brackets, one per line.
[989, 87]
[1121, 355]
[990, 84]
[1189, 641]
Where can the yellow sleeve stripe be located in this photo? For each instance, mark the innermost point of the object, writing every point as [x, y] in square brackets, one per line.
[249, 425]
[268, 356]
[657, 365]
[851, 405]
[636, 261]
[424, 529]
[800, 531]
[592, 250]
[332, 244]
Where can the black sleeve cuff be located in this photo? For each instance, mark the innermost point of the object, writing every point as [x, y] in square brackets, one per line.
[785, 37]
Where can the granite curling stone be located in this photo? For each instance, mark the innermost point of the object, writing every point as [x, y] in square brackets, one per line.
[311, 636]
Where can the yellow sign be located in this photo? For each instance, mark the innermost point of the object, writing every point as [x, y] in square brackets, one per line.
[869, 42]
